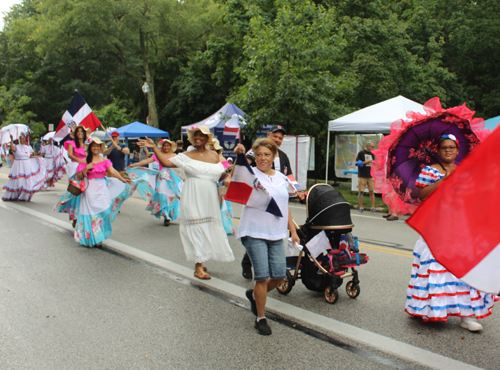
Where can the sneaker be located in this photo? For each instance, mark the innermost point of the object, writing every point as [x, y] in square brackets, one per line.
[253, 305]
[470, 324]
[262, 327]
[374, 211]
[361, 209]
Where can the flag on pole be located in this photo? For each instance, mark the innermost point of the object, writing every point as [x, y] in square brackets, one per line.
[78, 113]
[459, 219]
[232, 127]
[245, 188]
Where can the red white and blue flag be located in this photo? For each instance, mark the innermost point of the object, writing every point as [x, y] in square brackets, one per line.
[245, 188]
[459, 220]
[293, 183]
[78, 113]
[232, 127]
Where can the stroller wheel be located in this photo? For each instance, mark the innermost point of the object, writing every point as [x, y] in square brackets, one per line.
[352, 289]
[286, 286]
[331, 295]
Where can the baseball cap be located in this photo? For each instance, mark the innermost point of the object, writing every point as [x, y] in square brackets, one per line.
[277, 128]
[115, 133]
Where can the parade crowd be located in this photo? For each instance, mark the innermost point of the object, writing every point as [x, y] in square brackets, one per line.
[189, 186]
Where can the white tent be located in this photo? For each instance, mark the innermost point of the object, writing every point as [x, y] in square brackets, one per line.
[376, 118]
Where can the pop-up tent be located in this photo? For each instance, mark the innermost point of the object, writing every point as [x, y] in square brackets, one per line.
[138, 129]
[492, 123]
[219, 118]
[375, 119]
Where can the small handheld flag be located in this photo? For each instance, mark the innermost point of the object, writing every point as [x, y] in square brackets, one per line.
[245, 188]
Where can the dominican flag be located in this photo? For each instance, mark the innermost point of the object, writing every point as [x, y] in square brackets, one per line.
[245, 188]
[232, 127]
[293, 183]
[78, 113]
[459, 220]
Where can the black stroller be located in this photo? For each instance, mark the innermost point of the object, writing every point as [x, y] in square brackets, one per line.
[327, 211]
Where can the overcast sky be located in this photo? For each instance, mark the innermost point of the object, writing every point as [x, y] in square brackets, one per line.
[5, 7]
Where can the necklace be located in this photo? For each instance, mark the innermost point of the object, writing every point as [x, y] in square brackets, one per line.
[199, 152]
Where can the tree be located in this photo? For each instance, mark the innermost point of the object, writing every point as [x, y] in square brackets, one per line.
[287, 68]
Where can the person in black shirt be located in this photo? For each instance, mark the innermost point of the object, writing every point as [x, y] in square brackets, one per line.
[364, 161]
[179, 145]
[116, 153]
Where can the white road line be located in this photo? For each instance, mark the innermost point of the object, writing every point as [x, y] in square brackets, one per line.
[321, 323]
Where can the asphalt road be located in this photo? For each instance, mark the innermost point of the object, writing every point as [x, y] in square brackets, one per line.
[134, 303]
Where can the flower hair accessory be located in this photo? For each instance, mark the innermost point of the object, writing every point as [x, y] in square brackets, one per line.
[451, 137]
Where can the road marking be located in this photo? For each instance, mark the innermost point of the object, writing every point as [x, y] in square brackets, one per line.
[386, 250]
[308, 318]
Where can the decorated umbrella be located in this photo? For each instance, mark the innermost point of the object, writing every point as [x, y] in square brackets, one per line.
[13, 130]
[413, 145]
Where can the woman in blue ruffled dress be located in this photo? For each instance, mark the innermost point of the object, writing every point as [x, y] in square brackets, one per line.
[102, 198]
[76, 152]
[226, 210]
[163, 188]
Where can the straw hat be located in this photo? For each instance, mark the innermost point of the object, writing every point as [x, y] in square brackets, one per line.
[204, 130]
[172, 144]
[97, 141]
[73, 129]
[217, 146]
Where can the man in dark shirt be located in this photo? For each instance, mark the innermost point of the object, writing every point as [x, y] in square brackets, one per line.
[364, 161]
[116, 153]
[179, 145]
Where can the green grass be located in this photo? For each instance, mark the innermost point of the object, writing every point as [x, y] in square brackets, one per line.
[352, 196]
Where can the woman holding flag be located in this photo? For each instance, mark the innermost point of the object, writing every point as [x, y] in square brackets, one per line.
[76, 152]
[434, 293]
[262, 233]
[202, 233]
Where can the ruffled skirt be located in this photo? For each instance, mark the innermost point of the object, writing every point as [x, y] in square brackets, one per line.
[226, 211]
[27, 177]
[98, 207]
[69, 203]
[56, 168]
[434, 293]
[161, 190]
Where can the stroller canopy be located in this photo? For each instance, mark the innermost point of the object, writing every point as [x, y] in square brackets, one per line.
[327, 209]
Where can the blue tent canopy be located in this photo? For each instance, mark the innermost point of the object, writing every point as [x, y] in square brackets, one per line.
[218, 119]
[492, 123]
[138, 129]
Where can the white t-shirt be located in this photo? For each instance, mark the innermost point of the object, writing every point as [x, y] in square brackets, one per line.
[263, 225]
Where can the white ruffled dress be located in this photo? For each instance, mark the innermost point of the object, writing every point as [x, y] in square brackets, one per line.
[201, 229]
[434, 293]
[27, 175]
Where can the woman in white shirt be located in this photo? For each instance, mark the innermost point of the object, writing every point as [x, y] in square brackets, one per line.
[262, 233]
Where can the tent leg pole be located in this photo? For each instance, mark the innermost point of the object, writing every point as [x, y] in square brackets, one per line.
[327, 154]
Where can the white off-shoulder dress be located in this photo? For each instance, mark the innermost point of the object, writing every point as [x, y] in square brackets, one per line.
[201, 229]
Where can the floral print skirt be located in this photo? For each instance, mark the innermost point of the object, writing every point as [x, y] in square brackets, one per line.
[99, 205]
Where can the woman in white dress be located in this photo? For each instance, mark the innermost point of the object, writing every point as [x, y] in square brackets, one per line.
[27, 175]
[55, 163]
[202, 233]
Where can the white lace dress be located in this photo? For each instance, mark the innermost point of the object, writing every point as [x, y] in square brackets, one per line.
[202, 232]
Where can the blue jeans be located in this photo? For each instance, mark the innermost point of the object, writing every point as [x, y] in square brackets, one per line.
[267, 256]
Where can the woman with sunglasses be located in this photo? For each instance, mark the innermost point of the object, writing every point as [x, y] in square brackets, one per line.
[434, 293]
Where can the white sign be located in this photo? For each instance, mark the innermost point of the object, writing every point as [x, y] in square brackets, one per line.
[51, 127]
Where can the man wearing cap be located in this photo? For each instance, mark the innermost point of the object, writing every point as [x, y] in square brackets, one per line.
[116, 153]
[282, 164]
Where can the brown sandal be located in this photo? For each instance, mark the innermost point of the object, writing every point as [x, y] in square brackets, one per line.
[200, 274]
